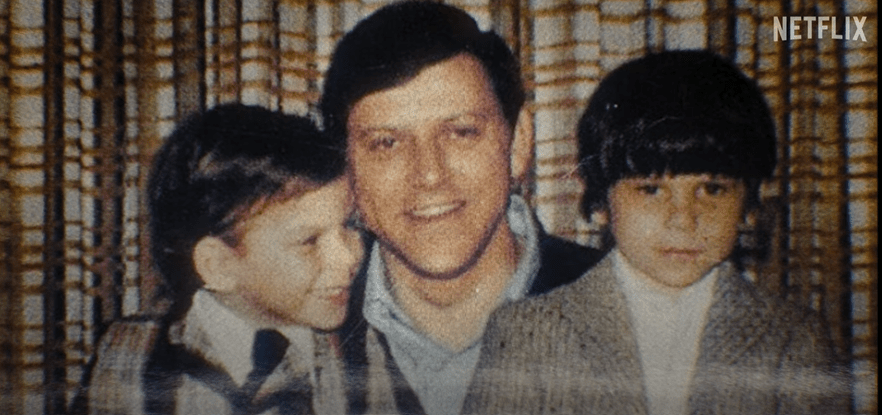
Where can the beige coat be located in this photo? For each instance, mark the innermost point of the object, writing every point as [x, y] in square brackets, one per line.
[573, 351]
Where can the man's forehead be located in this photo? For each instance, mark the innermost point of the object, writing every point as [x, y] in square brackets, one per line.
[450, 89]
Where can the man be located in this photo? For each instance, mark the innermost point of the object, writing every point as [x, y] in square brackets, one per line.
[429, 109]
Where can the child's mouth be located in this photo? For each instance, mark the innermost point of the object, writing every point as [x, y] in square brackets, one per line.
[681, 253]
[339, 297]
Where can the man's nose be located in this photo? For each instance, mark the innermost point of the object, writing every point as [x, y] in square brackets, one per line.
[428, 162]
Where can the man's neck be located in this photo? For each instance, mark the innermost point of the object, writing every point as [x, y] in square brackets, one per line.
[453, 312]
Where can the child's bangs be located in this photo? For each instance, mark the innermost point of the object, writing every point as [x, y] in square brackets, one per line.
[686, 146]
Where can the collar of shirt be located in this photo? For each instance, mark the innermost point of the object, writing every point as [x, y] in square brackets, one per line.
[224, 338]
[668, 328]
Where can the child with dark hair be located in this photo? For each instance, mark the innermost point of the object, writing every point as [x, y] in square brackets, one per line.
[673, 148]
[249, 231]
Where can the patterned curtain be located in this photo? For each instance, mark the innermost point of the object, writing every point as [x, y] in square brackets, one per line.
[90, 88]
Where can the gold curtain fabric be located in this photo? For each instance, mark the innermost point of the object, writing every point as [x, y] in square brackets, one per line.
[90, 88]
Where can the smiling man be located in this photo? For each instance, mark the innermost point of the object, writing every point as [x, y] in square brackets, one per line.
[429, 109]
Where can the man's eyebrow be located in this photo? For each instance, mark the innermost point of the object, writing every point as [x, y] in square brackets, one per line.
[481, 115]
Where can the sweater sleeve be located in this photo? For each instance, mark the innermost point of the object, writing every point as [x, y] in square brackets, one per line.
[814, 380]
[116, 382]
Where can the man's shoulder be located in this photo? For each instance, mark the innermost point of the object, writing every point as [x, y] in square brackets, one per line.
[562, 262]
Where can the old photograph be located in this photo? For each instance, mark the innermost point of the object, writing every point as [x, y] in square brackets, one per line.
[661, 207]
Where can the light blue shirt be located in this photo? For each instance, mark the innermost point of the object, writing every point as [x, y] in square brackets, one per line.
[440, 377]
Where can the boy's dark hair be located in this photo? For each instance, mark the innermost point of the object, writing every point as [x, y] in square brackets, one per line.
[391, 47]
[675, 112]
[214, 168]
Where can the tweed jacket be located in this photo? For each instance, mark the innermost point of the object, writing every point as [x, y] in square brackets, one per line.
[375, 382]
[574, 351]
[146, 367]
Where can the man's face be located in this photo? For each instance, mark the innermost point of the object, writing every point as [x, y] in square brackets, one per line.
[431, 167]
[675, 229]
[296, 259]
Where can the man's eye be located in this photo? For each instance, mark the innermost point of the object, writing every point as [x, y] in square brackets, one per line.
[465, 132]
[385, 142]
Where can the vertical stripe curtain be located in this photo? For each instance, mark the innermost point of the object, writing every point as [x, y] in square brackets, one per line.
[90, 88]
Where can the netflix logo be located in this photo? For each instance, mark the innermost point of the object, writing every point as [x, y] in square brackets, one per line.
[819, 27]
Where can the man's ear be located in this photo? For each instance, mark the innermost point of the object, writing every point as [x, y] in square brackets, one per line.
[522, 147]
[213, 260]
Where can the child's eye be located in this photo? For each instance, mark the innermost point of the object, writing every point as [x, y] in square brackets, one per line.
[715, 189]
[310, 241]
[353, 223]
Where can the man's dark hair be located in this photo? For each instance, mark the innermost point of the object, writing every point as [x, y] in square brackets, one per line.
[675, 112]
[215, 167]
[391, 47]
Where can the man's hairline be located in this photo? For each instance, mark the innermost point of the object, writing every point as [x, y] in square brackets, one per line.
[405, 79]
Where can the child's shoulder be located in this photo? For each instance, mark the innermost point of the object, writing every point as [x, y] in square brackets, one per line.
[114, 379]
[784, 314]
[127, 344]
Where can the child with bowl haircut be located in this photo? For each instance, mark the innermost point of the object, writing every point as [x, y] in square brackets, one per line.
[673, 147]
[248, 225]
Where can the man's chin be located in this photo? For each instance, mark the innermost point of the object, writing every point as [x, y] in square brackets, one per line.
[439, 277]
[446, 268]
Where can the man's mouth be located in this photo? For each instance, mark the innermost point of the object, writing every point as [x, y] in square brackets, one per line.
[434, 210]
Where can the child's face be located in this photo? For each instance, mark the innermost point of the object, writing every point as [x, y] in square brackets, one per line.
[674, 229]
[296, 259]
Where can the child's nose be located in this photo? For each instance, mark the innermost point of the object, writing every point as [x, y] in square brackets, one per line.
[340, 255]
[683, 212]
